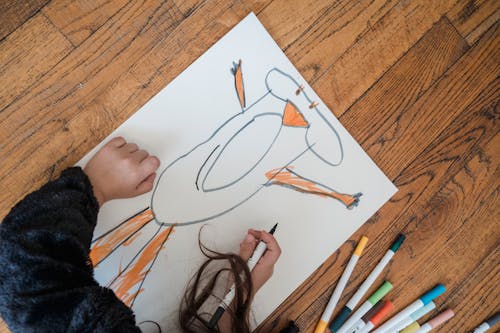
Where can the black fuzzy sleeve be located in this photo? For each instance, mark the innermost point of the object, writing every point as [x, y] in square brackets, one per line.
[46, 277]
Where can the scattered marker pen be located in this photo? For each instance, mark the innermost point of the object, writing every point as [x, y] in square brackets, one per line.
[347, 309]
[492, 321]
[369, 315]
[416, 305]
[386, 309]
[412, 328]
[228, 299]
[436, 321]
[414, 317]
[330, 307]
[352, 322]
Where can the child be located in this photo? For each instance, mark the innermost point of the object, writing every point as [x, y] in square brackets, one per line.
[46, 277]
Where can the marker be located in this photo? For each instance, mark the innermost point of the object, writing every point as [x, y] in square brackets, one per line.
[257, 254]
[412, 328]
[418, 304]
[492, 321]
[414, 317]
[334, 299]
[347, 309]
[386, 309]
[370, 302]
[369, 315]
[436, 321]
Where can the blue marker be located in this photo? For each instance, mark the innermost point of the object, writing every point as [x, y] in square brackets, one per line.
[488, 324]
[406, 312]
[414, 317]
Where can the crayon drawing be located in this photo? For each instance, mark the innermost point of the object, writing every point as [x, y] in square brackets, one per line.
[244, 143]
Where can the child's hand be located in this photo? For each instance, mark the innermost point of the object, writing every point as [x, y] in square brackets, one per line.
[121, 170]
[265, 267]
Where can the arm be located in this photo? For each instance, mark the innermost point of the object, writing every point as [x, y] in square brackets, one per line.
[46, 277]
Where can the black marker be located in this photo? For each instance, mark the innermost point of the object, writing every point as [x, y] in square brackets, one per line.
[257, 254]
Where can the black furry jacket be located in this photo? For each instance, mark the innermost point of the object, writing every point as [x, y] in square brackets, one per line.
[46, 277]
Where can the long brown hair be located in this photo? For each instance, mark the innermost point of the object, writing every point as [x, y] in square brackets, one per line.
[207, 288]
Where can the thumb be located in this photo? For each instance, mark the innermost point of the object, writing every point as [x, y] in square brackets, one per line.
[247, 246]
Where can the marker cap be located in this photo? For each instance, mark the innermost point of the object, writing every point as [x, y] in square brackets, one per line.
[493, 320]
[397, 243]
[369, 315]
[381, 292]
[423, 311]
[361, 246]
[385, 310]
[432, 294]
[412, 328]
[441, 318]
[339, 320]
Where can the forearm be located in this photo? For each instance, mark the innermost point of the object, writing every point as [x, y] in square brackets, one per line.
[45, 273]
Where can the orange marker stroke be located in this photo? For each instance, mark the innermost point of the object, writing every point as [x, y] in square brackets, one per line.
[293, 117]
[122, 235]
[287, 178]
[139, 269]
[238, 82]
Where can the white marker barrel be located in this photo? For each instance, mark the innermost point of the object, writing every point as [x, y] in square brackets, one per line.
[365, 307]
[334, 299]
[406, 312]
[414, 317]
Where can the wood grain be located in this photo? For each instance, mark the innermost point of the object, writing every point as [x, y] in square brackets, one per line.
[77, 20]
[14, 13]
[415, 82]
[27, 55]
[473, 17]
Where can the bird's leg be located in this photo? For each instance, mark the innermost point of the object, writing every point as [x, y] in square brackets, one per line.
[288, 178]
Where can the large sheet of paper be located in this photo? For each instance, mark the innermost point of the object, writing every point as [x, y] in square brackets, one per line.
[244, 142]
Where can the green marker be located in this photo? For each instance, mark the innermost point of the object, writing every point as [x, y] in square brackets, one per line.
[341, 317]
[366, 306]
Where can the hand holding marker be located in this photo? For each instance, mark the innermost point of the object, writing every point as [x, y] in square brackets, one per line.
[418, 304]
[330, 307]
[228, 299]
[336, 324]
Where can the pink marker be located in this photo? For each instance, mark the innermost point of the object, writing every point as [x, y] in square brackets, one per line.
[436, 321]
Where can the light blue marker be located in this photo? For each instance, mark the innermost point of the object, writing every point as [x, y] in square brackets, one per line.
[410, 309]
[414, 317]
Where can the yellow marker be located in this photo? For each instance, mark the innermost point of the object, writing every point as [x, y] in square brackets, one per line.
[330, 307]
[412, 328]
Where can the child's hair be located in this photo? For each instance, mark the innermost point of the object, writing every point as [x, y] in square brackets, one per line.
[208, 287]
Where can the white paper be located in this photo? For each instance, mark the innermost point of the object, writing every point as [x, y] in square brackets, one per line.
[233, 194]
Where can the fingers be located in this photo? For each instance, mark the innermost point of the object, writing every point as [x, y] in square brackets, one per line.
[140, 155]
[130, 147]
[146, 185]
[273, 251]
[149, 165]
[117, 142]
[247, 246]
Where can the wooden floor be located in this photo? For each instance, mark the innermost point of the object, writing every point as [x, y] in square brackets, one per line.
[414, 81]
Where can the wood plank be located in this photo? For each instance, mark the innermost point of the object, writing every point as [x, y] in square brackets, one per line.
[14, 13]
[423, 176]
[341, 83]
[27, 55]
[408, 131]
[77, 20]
[473, 17]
